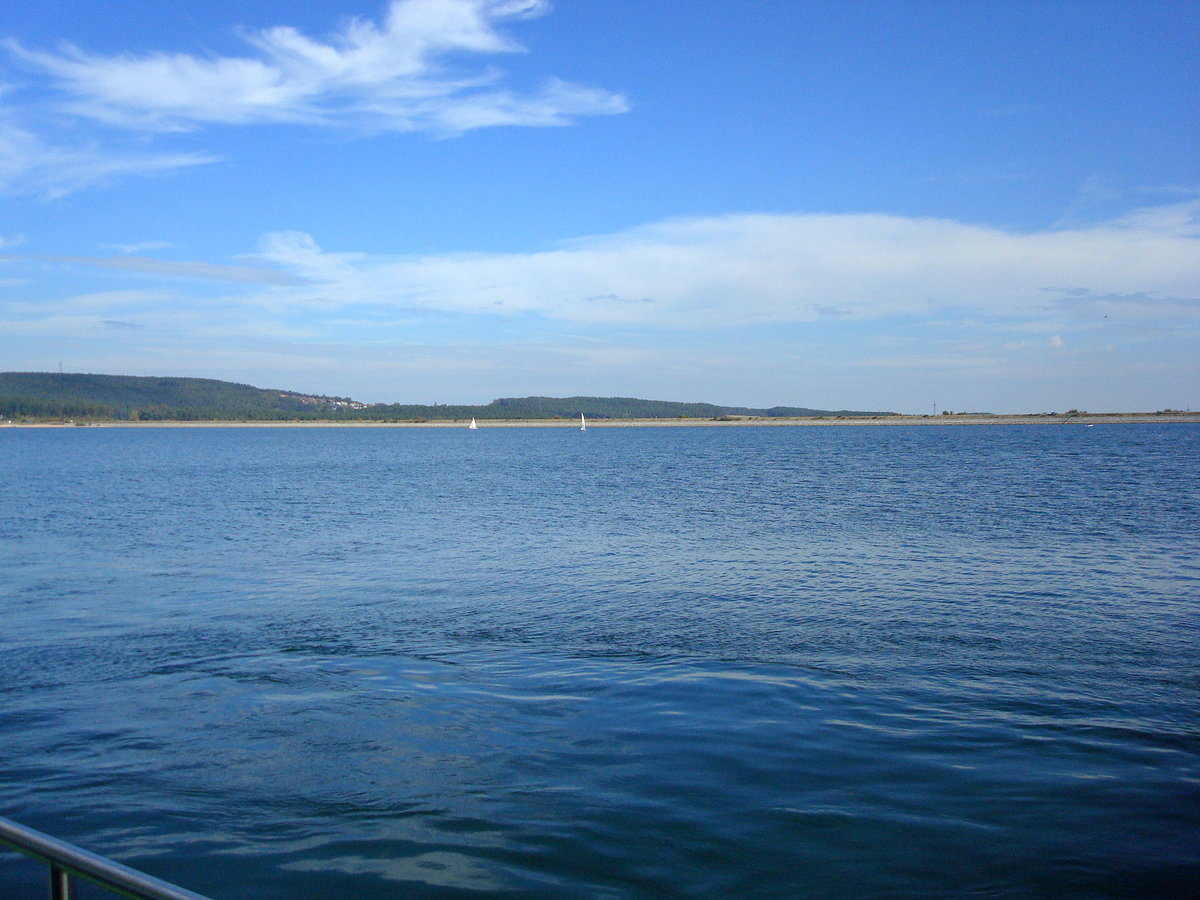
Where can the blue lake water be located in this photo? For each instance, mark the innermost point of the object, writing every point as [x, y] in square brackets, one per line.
[626, 663]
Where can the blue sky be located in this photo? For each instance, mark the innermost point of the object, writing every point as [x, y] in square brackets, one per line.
[883, 205]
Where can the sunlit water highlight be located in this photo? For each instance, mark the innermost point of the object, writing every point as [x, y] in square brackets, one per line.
[627, 663]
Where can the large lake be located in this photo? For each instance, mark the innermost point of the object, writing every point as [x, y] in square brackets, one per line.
[629, 663]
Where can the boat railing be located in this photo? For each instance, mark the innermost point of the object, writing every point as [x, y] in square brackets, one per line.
[68, 862]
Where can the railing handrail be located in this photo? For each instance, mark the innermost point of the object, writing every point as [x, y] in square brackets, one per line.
[85, 864]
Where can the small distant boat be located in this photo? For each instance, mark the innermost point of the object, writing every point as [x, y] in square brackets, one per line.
[582, 423]
[473, 426]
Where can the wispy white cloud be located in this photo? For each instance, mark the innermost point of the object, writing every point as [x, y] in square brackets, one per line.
[33, 166]
[395, 75]
[184, 269]
[98, 304]
[55, 326]
[730, 272]
[140, 247]
[1101, 196]
[752, 269]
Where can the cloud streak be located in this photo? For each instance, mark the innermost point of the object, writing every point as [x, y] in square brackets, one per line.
[31, 166]
[746, 270]
[184, 269]
[394, 75]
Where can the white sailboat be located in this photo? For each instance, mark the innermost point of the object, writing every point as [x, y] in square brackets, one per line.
[473, 426]
[582, 423]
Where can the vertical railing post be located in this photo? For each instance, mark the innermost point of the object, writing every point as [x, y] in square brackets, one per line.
[60, 883]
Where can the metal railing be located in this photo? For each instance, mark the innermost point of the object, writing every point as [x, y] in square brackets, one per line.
[68, 862]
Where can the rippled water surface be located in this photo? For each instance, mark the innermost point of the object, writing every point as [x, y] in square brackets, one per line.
[626, 663]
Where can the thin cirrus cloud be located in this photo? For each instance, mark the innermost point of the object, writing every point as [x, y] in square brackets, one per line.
[739, 270]
[184, 269]
[31, 166]
[386, 76]
[712, 275]
[139, 247]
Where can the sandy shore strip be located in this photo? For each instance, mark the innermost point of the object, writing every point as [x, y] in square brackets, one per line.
[1173, 417]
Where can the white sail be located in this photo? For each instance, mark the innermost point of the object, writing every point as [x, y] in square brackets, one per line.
[582, 423]
[473, 426]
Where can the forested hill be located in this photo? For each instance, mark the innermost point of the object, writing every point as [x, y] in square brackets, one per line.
[44, 395]
[50, 396]
[632, 408]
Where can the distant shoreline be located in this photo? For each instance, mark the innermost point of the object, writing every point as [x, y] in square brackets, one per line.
[727, 421]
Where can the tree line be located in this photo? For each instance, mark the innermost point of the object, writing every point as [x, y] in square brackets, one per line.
[47, 395]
